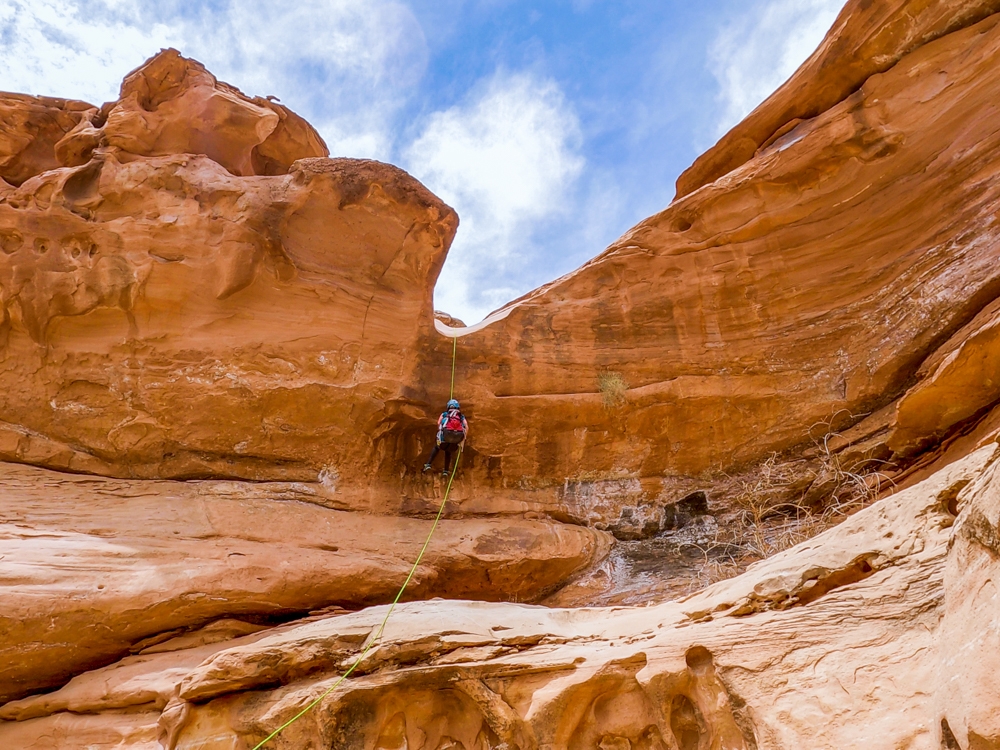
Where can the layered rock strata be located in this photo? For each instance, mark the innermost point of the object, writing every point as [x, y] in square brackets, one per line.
[183, 315]
[879, 633]
[866, 39]
[839, 270]
[93, 568]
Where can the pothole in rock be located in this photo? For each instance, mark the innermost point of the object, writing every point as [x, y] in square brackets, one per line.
[670, 565]
[703, 550]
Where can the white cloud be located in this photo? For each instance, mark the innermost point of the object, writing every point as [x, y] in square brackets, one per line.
[346, 65]
[506, 159]
[53, 48]
[757, 52]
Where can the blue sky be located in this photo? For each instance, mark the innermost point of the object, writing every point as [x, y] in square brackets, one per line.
[551, 127]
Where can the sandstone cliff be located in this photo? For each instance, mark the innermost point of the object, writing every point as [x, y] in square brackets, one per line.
[880, 633]
[218, 348]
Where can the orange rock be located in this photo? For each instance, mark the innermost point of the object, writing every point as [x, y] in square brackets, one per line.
[165, 316]
[957, 383]
[866, 39]
[799, 293]
[184, 296]
[180, 321]
[31, 127]
[173, 105]
[101, 566]
[858, 633]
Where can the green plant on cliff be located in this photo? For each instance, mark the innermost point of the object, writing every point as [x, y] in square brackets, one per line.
[612, 386]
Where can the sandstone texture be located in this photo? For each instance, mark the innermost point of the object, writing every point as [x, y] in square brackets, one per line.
[219, 369]
[879, 633]
[93, 568]
[809, 288]
[196, 300]
[866, 39]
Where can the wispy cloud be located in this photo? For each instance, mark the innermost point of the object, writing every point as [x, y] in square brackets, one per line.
[759, 50]
[347, 65]
[506, 159]
[73, 50]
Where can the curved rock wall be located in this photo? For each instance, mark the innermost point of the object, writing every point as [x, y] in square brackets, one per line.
[190, 289]
[866, 39]
[788, 299]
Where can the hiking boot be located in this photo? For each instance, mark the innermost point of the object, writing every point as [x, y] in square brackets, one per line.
[427, 467]
[444, 474]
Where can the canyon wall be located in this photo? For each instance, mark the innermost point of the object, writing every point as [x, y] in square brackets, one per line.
[219, 371]
[214, 298]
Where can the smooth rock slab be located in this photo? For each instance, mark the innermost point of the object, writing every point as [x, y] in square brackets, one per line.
[89, 567]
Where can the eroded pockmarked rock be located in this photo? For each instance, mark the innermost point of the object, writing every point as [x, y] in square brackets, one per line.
[857, 625]
[91, 567]
[165, 312]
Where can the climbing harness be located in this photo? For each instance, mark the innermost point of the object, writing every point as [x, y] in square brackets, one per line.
[381, 628]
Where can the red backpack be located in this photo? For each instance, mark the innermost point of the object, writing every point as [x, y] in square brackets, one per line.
[454, 430]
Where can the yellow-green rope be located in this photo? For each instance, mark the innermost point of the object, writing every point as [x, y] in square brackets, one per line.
[381, 629]
[454, 352]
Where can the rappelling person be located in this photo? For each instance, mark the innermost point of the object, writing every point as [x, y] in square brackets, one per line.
[453, 428]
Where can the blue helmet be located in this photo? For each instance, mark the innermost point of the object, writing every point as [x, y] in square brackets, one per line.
[453, 404]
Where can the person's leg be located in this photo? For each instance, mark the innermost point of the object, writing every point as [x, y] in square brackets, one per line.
[434, 453]
[448, 450]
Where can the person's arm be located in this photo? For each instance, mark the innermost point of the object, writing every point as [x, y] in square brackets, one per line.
[441, 422]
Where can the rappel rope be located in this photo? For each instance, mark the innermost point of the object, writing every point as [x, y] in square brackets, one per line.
[454, 353]
[381, 628]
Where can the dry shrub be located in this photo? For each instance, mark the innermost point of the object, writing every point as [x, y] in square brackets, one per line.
[770, 516]
[612, 386]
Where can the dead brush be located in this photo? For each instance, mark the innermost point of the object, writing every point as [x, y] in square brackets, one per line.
[854, 481]
[770, 513]
[613, 387]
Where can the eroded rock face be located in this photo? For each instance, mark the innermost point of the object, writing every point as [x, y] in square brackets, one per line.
[189, 288]
[167, 315]
[780, 303]
[137, 560]
[856, 638]
[30, 129]
[172, 105]
[161, 315]
[867, 38]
